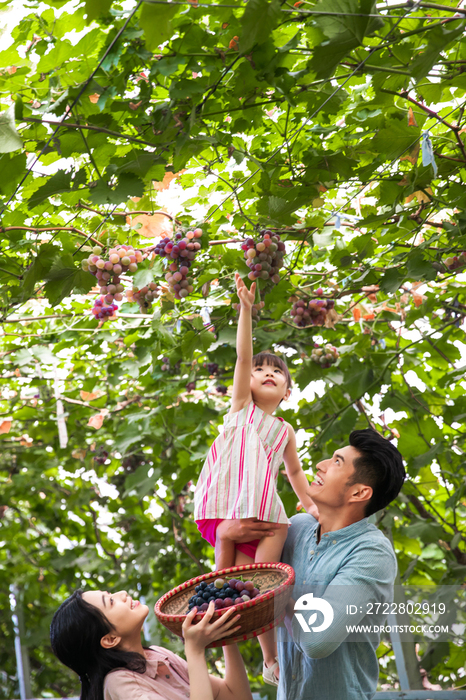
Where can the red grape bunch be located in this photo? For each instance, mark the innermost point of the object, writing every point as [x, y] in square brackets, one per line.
[107, 270]
[103, 310]
[144, 296]
[181, 252]
[457, 261]
[325, 356]
[223, 593]
[311, 313]
[265, 256]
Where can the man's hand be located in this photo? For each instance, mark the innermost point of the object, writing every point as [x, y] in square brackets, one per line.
[245, 530]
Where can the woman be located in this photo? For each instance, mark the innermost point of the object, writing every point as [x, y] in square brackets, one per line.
[98, 635]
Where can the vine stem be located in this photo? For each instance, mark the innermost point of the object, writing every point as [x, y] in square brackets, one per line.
[80, 205]
[7, 272]
[71, 229]
[91, 127]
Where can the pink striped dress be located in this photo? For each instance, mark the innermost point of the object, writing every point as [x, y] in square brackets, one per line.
[239, 477]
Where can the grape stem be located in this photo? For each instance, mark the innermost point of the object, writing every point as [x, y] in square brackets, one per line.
[37, 229]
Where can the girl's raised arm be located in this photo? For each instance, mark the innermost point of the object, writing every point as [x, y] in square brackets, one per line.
[296, 475]
[243, 368]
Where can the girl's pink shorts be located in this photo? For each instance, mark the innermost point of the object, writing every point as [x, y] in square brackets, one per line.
[208, 530]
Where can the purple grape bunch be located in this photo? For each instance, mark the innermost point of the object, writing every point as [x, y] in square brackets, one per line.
[107, 270]
[311, 313]
[265, 256]
[103, 310]
[101, 457]
[223, 593]
[181, 251]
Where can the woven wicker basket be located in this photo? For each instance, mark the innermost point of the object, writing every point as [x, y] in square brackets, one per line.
[258, 615]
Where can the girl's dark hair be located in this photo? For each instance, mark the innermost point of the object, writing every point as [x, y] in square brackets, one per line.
[380, 466]
[75, 633]
[267, 358]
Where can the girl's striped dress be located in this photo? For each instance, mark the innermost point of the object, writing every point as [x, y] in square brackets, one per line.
[238, 479]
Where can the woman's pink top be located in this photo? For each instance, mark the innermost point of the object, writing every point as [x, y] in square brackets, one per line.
[166, 678]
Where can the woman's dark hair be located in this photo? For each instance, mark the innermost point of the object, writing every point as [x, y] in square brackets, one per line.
[380, 466]
[75, 633]
[267, 358]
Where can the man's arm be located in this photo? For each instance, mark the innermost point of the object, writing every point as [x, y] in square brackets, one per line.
[245, 530]
[366, 577]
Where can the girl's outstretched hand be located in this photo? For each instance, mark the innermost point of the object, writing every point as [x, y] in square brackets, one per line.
[246, 296]
[197, 637]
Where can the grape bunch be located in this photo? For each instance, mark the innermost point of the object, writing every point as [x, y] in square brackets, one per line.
[212, 367]
[223, 593]
[144, 296]
[221, 389]
[325, 356]
[122, 258]
[264, 257]
[255, 312]
[190, 386]
[166, 366]
[103, 310]
[181, 251]
[312, 313]
[101, 457]
[457, 261]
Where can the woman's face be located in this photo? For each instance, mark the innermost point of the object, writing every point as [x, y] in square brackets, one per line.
[126, 615]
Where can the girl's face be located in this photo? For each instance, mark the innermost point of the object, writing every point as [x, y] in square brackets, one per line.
[268, 383]
[125, 614]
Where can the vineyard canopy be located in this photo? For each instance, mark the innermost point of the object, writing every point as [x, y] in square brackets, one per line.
[338, 125]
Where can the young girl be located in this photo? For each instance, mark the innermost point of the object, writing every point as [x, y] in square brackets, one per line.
[239, 476]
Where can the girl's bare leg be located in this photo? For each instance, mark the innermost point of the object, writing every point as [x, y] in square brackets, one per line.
[269, 550]
[242, 558]
[224, 554]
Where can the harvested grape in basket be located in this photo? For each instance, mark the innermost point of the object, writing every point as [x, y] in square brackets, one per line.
[223, 592]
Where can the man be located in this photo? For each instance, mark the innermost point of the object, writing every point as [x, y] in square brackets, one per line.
[343, 559]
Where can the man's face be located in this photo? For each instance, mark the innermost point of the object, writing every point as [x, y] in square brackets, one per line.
[329, 487]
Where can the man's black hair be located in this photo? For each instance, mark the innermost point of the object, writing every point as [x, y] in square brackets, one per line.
[380, 466]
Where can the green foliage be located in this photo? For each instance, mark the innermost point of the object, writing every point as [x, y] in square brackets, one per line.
[269, 115]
